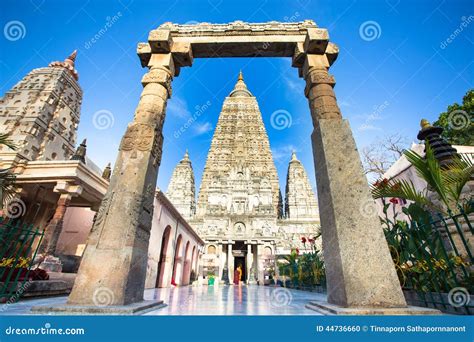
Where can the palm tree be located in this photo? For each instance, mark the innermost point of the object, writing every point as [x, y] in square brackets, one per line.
[447, 182]
[7, 179]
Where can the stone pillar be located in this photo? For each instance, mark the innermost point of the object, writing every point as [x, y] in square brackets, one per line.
[166, 271]
[360, 271]
[255, 262]
[230, 260]
[250, 267]
[55, 226]
[221, 261]
[260, 272]
[115, 259]
[225, 271]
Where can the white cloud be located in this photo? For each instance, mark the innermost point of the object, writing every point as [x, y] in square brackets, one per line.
[202, 128]
[283, 153]
[367, 127]
[178, 107]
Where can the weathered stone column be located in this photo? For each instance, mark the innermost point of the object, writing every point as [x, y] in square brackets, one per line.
[55, 226]
[221, 261]
[360, 271]
[230, 267]
[224, 276]
[115, 259]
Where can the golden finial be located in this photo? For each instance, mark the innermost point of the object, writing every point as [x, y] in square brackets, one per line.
[241, 77]
[424, 123]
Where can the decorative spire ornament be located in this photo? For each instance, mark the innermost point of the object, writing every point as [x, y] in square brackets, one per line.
[443, 151]
[107, 172]
[80, 153]
[69, 64]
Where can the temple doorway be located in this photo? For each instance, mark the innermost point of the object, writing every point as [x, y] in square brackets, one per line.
[240, 260]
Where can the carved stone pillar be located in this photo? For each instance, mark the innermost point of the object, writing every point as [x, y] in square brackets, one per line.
[360, 271]
[55, 226]
[230, 259]
[115, 259]
[220, 261]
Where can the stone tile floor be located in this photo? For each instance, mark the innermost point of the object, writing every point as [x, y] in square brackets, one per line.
[207, 300]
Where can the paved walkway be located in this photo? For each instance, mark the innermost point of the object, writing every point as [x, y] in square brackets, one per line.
[208, 300]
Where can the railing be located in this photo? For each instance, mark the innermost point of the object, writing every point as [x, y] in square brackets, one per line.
[19, 244]
[434, 261]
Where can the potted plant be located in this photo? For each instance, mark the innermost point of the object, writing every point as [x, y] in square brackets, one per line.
[210, 278]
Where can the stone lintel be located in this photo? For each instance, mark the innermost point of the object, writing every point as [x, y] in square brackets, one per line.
[316, 40]
[130, 309]
[330, 309]
[68, 188]
[160, 41]
[298, 56]
[332, 51]
[144, 53]
[182, 54]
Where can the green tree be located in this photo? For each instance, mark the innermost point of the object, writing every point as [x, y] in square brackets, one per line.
[447, 182]
[457, 121]
[7, 179]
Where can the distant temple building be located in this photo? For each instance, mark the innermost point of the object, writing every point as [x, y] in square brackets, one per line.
[240, 211]
[55, 185]
[59, 189]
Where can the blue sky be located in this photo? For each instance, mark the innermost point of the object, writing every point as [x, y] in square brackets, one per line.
[386, 82]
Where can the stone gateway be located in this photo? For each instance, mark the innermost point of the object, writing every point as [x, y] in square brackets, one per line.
[360, 271]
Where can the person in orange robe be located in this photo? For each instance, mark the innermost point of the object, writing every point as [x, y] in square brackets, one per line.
[237, 275]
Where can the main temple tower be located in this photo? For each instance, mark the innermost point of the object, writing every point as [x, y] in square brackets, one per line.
[239, 211]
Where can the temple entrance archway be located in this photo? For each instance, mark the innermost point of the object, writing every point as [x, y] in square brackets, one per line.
[178, 262]
[193, 262]
[164, 264]
[120, 235]
[187, 265]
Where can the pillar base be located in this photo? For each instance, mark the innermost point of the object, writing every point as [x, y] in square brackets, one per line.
[130, 309]
[326, 308]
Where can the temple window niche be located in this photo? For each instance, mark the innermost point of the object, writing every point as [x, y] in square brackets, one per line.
[211, 249]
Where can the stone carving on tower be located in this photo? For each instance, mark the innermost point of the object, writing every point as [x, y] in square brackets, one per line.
[181, 191]
[300, 199]
[41, 112]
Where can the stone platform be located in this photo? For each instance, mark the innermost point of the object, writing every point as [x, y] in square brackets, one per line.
[326, 308]
[131, 309]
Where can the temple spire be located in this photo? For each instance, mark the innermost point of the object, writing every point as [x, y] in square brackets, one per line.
[240, 88]
[69, 64]
[80, 153]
